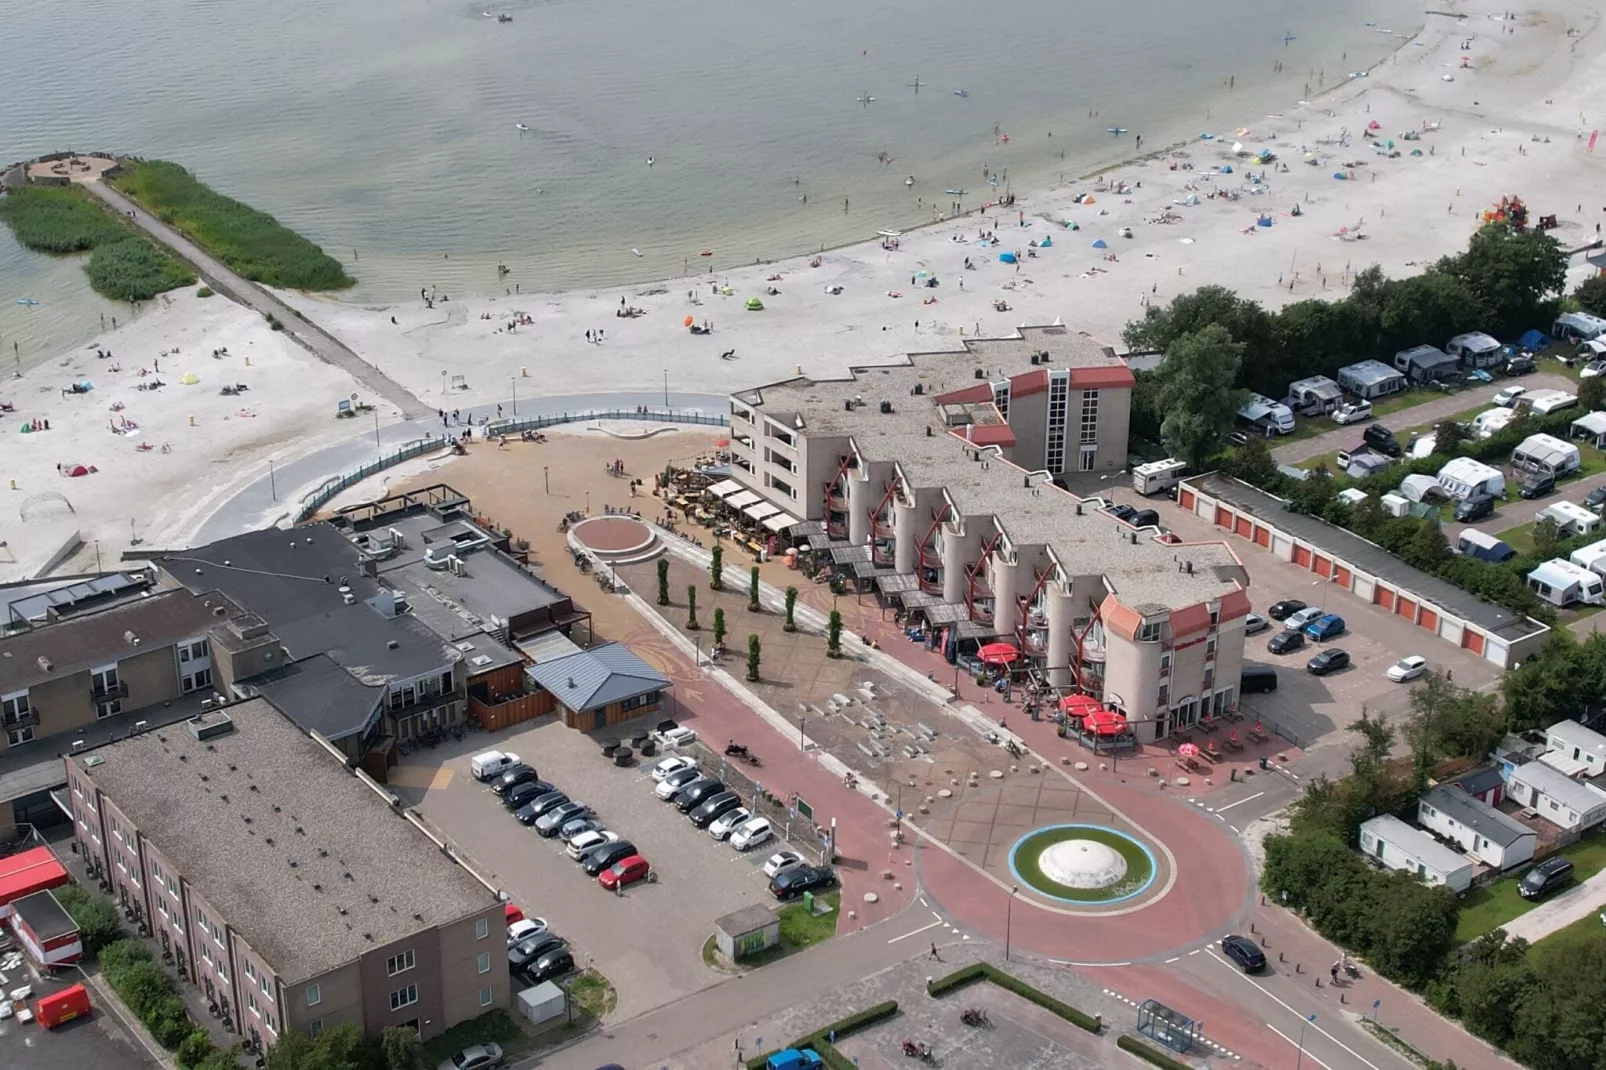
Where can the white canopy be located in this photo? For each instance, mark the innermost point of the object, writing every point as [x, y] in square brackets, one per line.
[761, 510]
[724, 488]
[742, 500]
[780, 522]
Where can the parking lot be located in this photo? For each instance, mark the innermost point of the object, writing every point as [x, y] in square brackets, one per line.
[97, 1042]
[648, 941]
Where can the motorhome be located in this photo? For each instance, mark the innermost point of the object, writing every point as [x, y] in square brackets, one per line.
[1268, 415]
[1562, 583]
[1157, 477]
[1578, 327]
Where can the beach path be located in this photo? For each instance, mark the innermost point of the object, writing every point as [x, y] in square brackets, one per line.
[320, 342]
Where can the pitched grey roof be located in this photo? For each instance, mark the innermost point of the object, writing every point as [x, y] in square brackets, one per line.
[597, 677]
[1477, 815]
[1480, 781]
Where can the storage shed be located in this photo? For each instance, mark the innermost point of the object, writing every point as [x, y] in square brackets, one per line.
[1399, 846]
[1371, 379]
[547, 1001]
[748, 930]
[46, 930]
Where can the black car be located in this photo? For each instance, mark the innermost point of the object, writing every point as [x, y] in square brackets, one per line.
[1144, 518]
[1520, 366]
[713, 807]
[1121, 511]
[527, 951]
[1474, 508]
[1286, 641]
[694, 793]
[1328, 661]
[1537, 485]
[1257, 680]
[526, 812]
[1285, 609]
[1382, 440]
[604, 855]
[1244, 951]
[553, 964]
[1595, 500]
[544, 804]
[1545, 878]
[791, 883]
[512, 777]
[524, 794]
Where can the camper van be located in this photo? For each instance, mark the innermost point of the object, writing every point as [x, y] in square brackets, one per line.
[1562, 583]
[1158, 477]
[1545, 402]
[1268, 415]
[1577, 327]
[1571, 519]
[1484, 547]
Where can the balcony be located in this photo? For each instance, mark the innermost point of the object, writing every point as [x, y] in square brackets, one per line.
[982, 611]
[1035, 641]
[883, 528]
[23, 720]
[108, 692]
[836, 500]
[881, 554]
[933, 585]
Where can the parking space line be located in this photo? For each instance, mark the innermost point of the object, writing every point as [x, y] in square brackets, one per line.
[916, 932]
[1290, 1040]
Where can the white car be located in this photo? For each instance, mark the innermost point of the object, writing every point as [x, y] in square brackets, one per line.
[675, 781]
[524, 929]
[672, 765]
[587, 840]
[1303, 617]
[781, 860]
[1352, 413]
[1407, 669]
[1508, 397]
[726, 823]
[1592, 370]
[751, 833]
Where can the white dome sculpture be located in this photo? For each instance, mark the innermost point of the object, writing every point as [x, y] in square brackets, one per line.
[1082, 864]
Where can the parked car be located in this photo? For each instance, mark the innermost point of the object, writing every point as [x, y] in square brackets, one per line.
[1239, 438]
[1286, 642]
[750, 833]
[793, 882]
[1144, 518]
[1474, 508]
[1508, 397]
[728, 822]
[693, 794]
[1352, 413]
[1593, 370]
[549, 823]
[1407, 668]
[1120, 510]
[677, 737]
[625, 872]
[1257, 680]
[478, 1057]
[491, 764]
[671, 784]
[575, 827]
[1536, 485]
[1303, 617]
[1328, 626]
[601, 857]
[527, 951]
[519, 800]
[712, 807]
[545, 804]
[673, 764]
[553, 964]
[525, 929]
[585, 842]
[511, 777]
[1328, 661]
[781, 860]
[1244, 951]
[1382, 440]
[1521, 365]
[1545, 878]
[1595, 500]
[1285, 609]
[1254, 624]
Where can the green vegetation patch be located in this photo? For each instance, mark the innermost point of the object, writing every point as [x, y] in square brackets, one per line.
[59, 219]
[986, 971]
[1026, 855]
[1150, 1054]
[134, 269]
[496, 1027]
[251, 242]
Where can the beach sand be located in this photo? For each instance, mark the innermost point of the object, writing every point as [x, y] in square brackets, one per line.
[1516, 121]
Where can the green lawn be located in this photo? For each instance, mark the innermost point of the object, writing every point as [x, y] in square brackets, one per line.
[593, 995]
[1405, 399]
[1492, 905]
[799, 930]
[1519, 538]
[1586, 930]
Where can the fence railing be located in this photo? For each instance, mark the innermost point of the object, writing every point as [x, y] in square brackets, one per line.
[320, 497]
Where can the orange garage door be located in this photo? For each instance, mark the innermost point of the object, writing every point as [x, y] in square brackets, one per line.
[1185, 499]
[1244, 527]
[1344, 577]
[1324, 567]
[1262, 536]
[1383, 596]
[1405, 607]
[1223, 518]
[1302, 556]
[1473, 641]
[1429, 619]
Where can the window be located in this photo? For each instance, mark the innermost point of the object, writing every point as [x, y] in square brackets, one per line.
[1165, 696]
[18, 736]
[103, 681]
[649, 699]
[485, 996]
[399, 964]
[484, 963]
[314, 1028]
[250, 969]
[1090, 416]
[16, 708]
[195, 681]
[108, 708]
[1165, 663]
[482, 928]
[314, 995]
[1210, 647]
[1087, 458]
[1150, 632]
[251, 1001]
[1215, 617]
[404, 997]
[193, 650]
[1054, 433]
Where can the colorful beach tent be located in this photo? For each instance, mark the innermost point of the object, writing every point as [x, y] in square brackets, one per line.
[1099, 243]
[1006, 258]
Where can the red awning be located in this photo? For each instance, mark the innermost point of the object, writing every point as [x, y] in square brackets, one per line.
[1077, 706]
[28, 872]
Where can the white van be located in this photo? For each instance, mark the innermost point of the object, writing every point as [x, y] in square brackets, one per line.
[490, 764]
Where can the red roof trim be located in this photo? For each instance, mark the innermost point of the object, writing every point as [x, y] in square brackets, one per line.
[1102, 378]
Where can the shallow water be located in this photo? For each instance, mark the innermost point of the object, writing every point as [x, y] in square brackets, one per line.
[387, 131]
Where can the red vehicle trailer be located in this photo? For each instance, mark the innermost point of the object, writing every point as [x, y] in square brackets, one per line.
[61, 1007]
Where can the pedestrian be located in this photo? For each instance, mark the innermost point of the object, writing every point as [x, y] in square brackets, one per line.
[588, 334]
[1449, 675]
[1334, 972]
[934, 952]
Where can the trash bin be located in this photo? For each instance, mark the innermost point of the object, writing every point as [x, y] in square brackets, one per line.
[1263, 763]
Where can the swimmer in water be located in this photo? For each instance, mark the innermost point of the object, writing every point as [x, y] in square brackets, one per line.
[649, 161]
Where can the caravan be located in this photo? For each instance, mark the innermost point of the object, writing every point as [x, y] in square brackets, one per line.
[1484, 547]
[1268, 415]
[1562, 583]
[1463, 477]
[1475, 350]
[1578, 327]
[1546, 455]
[1592, 557]
[1571, 519]
[1158, 477]
[1315, 396]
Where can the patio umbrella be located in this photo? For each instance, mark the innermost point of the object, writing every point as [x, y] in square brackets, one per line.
[1105, 723]
[1188, 750]
[1079, 706]
[998, 653]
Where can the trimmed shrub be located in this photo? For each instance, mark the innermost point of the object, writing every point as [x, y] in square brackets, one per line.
[168, 1023]
[205, 291]
[94, 915]
[1010, 983]
[1150, 1055]
[958, 979]
[820, 1039]
[193, 1049]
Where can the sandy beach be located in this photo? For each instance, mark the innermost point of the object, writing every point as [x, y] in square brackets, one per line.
[1512, 118]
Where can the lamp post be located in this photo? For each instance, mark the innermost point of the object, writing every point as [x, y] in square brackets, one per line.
[1009, 917]
[273, 484]
[515, 395]
[1300, 1060]
[802, 740]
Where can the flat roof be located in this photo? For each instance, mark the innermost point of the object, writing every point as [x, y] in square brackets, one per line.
[321, 697]
[1368, 557]
[492, 587]
[39, 601]
[44, 916]
[1559, 785]
[306, 861]
[1415, 842]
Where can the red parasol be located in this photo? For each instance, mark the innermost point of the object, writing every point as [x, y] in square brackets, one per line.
[1105, 723]
[998, 653]
[722, 443]
[1188, 750]
[1079, 706]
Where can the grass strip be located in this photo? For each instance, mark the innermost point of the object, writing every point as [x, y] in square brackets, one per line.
[1149, 1054]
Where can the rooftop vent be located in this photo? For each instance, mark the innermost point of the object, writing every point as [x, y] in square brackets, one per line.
[886, 408]
[391, 644]
[44, 663]
[928, 431]
[980, 374]
[571, 682]
[130, 637]
[210, 725]
[920, 388]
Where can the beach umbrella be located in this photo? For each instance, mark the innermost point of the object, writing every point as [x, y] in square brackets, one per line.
[1079, 706]
[1006, 258]
[1416, 152]
[1374, 125]
[721, 443]
[754, 304]
[189, 379]
[690, 320]
[1341, 176]
[1100, 244]
[1105, 723]
[1188, 750]
[998, 653]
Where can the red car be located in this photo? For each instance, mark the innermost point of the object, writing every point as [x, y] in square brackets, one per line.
[625, 871]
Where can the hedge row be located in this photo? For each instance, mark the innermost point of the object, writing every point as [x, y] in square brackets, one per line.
[1011, 983]
[820, 1039]
[1150, 1055]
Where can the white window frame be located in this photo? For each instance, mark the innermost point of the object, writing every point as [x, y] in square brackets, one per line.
[486, 996]
[484, 963]
[400, 963]
[314, 995]
[403, 997]
[482, 928]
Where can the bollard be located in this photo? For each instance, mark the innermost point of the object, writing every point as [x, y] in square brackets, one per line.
[1341, 998]
[1281, 957]
[1252, 928]
[524, 373]
[1318, 982]
[1262, 900]
[1299, 967]
[192, 421]
[13, 484]
[247, 362]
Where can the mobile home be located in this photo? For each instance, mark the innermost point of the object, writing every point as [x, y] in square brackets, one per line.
[1478, 828]
[1315, 396]
[1578, 327]
[1562, 583]
[1426, 364]
[1555, 796]
[1462, 478]
[1399, 846]
[1158, 476]
[1592, 557]
[1546, 454]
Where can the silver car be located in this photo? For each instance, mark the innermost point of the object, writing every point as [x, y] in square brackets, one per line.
[549, 823]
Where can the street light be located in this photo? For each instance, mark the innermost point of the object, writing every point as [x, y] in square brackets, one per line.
[1009, 917]
[802, 740]
[1300, 1061]
[515, 395]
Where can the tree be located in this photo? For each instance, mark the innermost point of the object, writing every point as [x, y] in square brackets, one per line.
[1314, 494]
[716, 568]
[1429, 548]
[339, 1047]
[1592, 393]
[719, 626]
[400, 1049]
[1591, 296]
[1243, 320]
[833, 635]
[1411, 927]
[1431, 305]
[791, 605]
[1196, 392]
[94, 915]
[663, 581]
[1252, 462]
[691, 608]
[752, 657]
[1547, 537]
[1447, 721]
[1516, 276]
[1296, 864]
[752, 590]
[1367, 517]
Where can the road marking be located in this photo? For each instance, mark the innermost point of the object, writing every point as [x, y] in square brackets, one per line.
[1289, 1009]
[1307, 1054]
[917, 932]
[1196, 950]
[1235, 829]
[1171, 960]
[1240, 802]
[936, 915]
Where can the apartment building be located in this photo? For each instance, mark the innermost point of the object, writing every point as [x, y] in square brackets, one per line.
[281, 883]
[929, 495]
[1047, 399]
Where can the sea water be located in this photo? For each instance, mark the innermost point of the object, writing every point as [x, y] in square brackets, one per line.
[387, 132]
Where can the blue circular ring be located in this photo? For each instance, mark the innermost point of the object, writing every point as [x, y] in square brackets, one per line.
[1154, 868]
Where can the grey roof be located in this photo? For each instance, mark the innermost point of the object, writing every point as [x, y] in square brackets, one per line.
[38, 602]
[747, 920]
[1573, 734]
[597, 677]
[321, 697]
[1415, 842]
[1559, 786]
[44, 916]
[1369, 372]
[1368, 557]
[292, 580]
[1319, 385]
[307, 862]
[482, 653]
[1477, 815]
[97, 638]
[1480, 781]
[1425, 357]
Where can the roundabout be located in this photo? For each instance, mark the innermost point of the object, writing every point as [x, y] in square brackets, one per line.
[1084, 864]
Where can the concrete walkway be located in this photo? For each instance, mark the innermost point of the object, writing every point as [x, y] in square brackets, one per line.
[325, 346]
[1558, 912]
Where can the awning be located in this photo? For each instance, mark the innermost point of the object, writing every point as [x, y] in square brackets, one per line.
[742, 500]
[761, 510]
[780, 522]
[723, 488]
